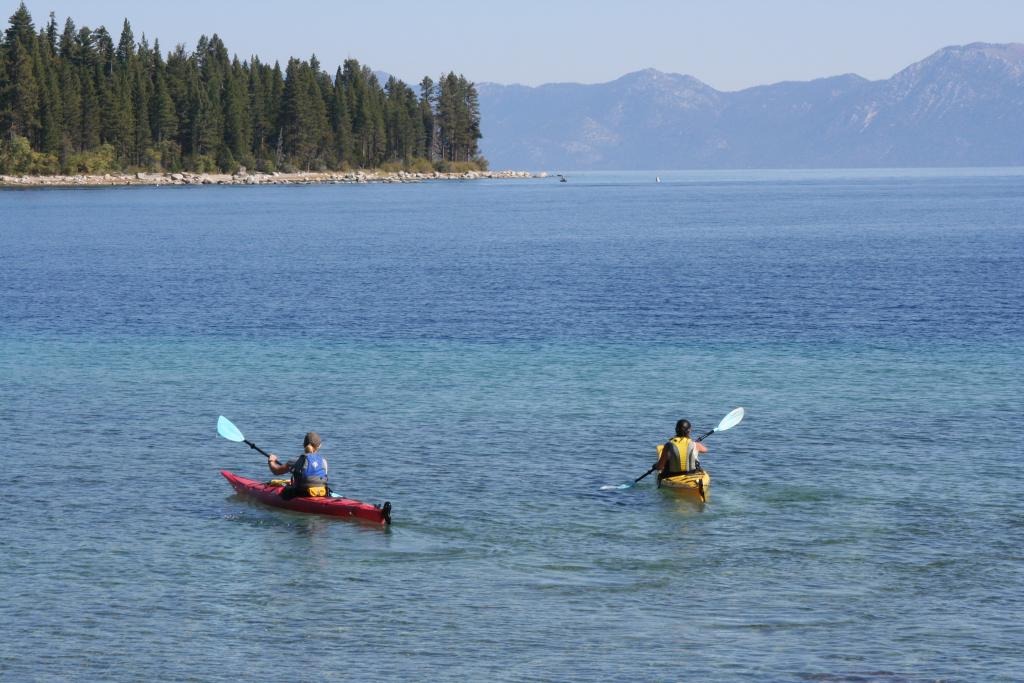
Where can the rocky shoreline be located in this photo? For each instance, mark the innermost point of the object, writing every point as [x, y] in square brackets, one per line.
[244, 178]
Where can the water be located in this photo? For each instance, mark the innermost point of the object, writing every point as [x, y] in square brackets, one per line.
[486, 356]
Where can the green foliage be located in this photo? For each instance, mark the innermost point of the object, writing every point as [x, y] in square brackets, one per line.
[85, 104]
[266, 166]
[101, 159]
[226, 160]
[152, 160]
[420, 165]
[457, 119]
[15, 156]
[201, 163]
[170, 155]
[478, 164]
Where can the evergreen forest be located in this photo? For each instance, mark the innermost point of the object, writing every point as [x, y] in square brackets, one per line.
[72, 100]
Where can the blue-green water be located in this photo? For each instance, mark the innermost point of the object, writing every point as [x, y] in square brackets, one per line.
[486, 355]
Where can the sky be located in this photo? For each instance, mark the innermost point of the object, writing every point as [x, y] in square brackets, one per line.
[728, 44]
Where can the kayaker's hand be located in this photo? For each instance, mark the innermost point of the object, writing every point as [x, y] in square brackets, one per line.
[272, 459]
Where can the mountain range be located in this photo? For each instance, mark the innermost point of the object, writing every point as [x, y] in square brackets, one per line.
[962, 106]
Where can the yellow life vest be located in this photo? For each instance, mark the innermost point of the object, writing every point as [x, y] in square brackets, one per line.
[678, 456]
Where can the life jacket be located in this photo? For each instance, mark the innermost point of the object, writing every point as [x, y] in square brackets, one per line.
[310, 470]
[682, 456]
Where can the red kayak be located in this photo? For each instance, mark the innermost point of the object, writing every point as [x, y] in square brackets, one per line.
[336, 507]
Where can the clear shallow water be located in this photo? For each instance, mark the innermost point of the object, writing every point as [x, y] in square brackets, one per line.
[486, 356]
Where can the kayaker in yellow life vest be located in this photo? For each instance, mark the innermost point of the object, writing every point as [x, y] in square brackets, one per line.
[309, 470]
[679, 456]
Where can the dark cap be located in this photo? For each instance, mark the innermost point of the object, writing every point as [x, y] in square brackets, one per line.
[312, 439]
[683, 428]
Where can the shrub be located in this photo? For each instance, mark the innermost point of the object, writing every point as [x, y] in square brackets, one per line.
[151, 159]
[170, 156]
[201, 163]
[17, 158]
[461, 166]
[420, 166]
[98, 160]
[247, 160]
[226, 160]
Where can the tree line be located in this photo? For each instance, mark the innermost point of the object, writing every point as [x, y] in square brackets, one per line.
[74, 101]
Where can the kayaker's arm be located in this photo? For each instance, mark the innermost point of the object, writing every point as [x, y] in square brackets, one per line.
[276, 466]
[701, 448]
[662, 460]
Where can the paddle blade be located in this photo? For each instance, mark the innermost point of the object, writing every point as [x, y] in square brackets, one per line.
[616, 487]
[228, 430]
[730, 420]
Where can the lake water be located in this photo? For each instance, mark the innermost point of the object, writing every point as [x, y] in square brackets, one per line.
[486, 355]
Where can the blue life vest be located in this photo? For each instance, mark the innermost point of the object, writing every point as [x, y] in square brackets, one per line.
[313, 470]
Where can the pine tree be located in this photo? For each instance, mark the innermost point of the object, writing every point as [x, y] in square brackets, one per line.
[258, 123]
[426, 106]
[22, 105]
[125, 46]
[276, 102]
[50, 105]
[104, 50]
[179, 72]
[71, 99]
[162, 116]
[21, 29]
[300, 132]
[67, 41]
[123, 118]
[92, 122]
[142, 131]
[341, 121]
[51, 35]
[237, 126]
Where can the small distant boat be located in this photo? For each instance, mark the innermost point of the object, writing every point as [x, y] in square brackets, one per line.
[561, 178]
[657, 178]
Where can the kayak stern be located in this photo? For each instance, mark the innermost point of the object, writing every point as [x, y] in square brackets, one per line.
[695, 484]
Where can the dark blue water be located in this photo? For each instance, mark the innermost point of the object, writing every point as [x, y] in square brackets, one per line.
[487, 355]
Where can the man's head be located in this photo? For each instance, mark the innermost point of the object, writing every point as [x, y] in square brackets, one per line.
[683, 428]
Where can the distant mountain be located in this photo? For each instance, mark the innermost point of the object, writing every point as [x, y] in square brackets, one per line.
[962, 106]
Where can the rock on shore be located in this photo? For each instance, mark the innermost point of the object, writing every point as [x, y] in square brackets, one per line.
[243, 178]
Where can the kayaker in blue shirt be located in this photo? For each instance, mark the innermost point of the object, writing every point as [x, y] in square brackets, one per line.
[679, 455]
[309, 470]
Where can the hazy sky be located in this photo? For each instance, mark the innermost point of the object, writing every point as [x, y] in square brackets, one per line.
[729, 44]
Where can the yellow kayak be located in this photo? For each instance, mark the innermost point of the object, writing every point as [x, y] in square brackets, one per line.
[696, 484]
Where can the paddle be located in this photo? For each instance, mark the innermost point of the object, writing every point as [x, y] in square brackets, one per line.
[230, 432]
[728, 422]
